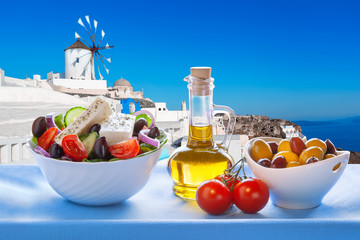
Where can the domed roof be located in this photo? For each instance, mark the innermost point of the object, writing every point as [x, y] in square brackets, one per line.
[122, 83]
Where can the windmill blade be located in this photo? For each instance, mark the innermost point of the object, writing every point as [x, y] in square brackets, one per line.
[107, 45]
[87, 19]
[101, 58]
[107, 59]
[95, 24]
[102, 37]
[102, 48]
[81, 23]
[77, 35]
[91, 33]
[97, 64]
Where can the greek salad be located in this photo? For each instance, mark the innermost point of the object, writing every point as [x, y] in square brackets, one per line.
[96, 134]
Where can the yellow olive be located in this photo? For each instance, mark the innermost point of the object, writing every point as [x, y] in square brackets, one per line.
[260, 149]
[309, 152]
[289, 156]
[316, 142]
[284, 145]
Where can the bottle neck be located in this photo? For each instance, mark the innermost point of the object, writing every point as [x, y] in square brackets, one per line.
[201, 116]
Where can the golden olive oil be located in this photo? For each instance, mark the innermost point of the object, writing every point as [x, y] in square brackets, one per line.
[196, 162]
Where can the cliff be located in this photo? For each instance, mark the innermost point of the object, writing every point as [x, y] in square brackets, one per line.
[261, 126]
[354, 157]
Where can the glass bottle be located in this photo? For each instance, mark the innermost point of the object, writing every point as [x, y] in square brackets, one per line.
[201, 159]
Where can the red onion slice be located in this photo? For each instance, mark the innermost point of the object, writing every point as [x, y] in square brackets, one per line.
[51, 123]
[67, 158]
[143, 136]
[41, 151]
[147, 113]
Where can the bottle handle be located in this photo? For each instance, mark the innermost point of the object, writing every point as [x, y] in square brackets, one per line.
[228, 111]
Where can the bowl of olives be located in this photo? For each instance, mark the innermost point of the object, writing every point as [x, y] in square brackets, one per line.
[299, 174]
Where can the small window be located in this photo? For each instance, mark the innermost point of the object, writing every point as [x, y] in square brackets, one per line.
[164, 109]
[159, 109]
[77, 60]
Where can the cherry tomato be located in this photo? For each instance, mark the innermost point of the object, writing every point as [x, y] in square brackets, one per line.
[125, 149]
[228, 180]
[213, 197]
[47, 139]
[73, 147]
[251, 195]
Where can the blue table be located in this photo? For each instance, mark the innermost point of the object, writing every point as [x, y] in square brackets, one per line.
[30, 209]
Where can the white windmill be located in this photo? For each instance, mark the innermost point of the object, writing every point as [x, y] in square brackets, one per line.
[81, 56]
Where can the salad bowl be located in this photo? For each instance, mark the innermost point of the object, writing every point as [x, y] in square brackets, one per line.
[97, 183]
[299, 187]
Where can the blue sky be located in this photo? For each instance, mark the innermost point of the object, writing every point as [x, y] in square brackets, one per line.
[285, 59]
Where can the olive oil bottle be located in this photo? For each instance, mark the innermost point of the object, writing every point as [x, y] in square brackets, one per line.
[201, 159]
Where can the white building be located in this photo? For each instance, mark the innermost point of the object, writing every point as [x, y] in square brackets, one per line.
[290, 132]
[176, 123]
[79, 69]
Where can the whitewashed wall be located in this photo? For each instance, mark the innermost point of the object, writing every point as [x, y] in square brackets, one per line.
[74, 69]
[78, 84]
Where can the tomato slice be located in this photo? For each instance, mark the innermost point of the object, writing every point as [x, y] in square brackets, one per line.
[47, 139]
[126, 149]
[73, 147]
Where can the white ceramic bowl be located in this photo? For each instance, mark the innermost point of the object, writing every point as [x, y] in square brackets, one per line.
[99, 183]
[298, 187]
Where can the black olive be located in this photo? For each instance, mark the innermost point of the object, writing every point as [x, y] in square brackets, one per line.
[39, 126]
[101, 148]
[56, 151]
[139, 125]
[95, 128]
[154, 132]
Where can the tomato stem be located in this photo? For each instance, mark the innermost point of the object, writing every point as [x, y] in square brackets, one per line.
[234, 175]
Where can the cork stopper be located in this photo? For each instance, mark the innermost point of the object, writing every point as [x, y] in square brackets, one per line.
[201, 84]
[201, 72]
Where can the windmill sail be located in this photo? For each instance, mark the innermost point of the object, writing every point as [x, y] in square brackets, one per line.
[94, 48]
[95, 24]
[88, 20]
[81, 23]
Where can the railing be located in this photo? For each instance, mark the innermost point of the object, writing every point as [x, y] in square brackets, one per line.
[13, 150]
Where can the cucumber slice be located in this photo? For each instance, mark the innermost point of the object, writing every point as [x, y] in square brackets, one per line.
[72, 114]
[144, 116]
[89, 142]
[82, 137]
[34, 140]
[59, 121]
[144, 147]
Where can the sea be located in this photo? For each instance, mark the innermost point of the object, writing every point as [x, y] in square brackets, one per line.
[344, 133]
